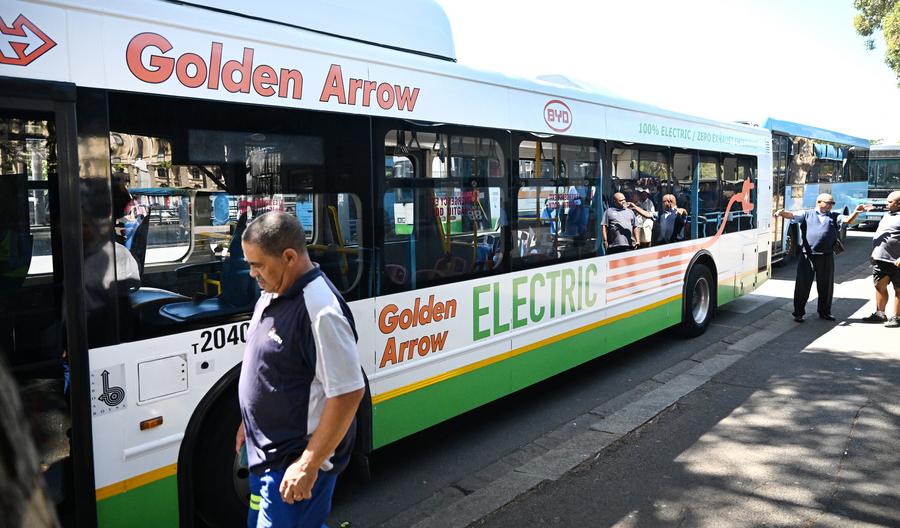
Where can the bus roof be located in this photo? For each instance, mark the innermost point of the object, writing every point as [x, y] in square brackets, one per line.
[885, 151]
[238, 55]
[419, 26]
[798, 129]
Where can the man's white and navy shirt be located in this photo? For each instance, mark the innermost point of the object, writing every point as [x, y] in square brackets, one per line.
[301, 349]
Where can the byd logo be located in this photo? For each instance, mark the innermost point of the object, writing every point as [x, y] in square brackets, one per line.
[22, 42]
[558, 115]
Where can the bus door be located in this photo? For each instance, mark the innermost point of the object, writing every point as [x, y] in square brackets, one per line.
[780, 149]
[41, 322]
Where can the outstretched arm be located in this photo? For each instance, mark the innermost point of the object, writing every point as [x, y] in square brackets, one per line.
[785, 214]
[859, 208]
[637, 209]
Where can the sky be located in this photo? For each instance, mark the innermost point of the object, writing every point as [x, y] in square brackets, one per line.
[731, 60]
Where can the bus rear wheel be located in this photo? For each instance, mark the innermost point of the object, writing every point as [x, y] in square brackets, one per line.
[220, 482]
[698, 305]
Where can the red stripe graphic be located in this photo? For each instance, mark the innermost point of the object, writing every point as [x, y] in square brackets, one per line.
[643, 281]
[633, 273]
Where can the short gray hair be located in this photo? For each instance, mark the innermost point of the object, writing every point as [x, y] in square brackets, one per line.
[275, 232]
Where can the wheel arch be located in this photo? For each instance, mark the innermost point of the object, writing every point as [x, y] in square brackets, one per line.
[197, 423]
[705, 258]
[192, 432]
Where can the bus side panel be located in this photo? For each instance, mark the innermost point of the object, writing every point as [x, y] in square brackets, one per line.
[130, 509]
[551, 352]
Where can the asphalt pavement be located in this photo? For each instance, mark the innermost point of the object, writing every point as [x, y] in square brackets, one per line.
[781, 424]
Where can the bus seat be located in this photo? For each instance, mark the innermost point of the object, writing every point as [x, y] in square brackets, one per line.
[239, 290]
[396, 273]
[451, 265]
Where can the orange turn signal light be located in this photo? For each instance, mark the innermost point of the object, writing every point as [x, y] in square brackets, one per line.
[151, 423]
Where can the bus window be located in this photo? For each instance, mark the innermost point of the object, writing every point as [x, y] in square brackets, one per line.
[653, 183]
[730, 185]
[448, 222]
[399, 167]
[824, 171]
[884, 175]
[803, 159]
[555, 218]
[195, 178]
[746, 171]
[624, 172]
[858, 161]
[683, 171]
[708, 196]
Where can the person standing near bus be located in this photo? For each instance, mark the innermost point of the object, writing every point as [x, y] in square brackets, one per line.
[671, 220]
[301, 381]
[619, 227]
[886, 263]
[645, 223]
[819, 230]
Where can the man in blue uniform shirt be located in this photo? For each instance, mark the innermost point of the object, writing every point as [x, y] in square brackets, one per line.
[819, 230]
[301, 381]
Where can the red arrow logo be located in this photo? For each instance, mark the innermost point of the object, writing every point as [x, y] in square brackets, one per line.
[22, 42]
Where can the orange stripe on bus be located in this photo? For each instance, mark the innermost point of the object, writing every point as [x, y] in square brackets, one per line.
[136, 482]
[650, 257]
[642, 291]
[400, 391]
[634, 273]
[644, 281]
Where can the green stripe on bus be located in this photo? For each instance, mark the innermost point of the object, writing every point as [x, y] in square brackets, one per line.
[725, 293]
[149, 506]
[412, 412]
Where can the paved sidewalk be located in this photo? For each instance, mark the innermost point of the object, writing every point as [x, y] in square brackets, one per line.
[785, 426]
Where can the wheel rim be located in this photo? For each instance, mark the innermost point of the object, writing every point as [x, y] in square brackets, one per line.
[700, 300]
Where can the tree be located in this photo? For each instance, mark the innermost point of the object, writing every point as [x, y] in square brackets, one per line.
[884, 15]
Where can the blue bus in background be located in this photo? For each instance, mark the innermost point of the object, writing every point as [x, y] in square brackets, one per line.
[808, 161]
[884, 178]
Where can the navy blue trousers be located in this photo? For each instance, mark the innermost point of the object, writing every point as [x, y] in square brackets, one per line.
[820, 268]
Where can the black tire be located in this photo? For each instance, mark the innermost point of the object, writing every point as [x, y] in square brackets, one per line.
[221, 486]
[698, 306]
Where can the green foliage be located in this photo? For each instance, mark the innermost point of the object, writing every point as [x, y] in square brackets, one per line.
[884, 15]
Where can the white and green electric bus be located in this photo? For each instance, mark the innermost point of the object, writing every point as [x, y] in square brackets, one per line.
[458, 211]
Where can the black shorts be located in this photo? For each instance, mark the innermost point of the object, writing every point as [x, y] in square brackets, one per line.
[881, 269]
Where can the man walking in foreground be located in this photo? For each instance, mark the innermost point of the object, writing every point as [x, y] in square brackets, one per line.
[819, 230]
[301, 380]
[886, 263]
